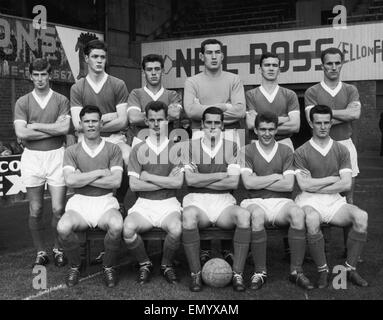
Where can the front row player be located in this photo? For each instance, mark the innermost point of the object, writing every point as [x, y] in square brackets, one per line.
[323, 171]
[155, 177]
[211, 173]
[93, 168]
[268, 175]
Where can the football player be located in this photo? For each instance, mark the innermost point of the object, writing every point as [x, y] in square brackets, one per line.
[323, 171]
[42, 120]
[155, 177]
[92, 168]
[211, 172]
[268, 175]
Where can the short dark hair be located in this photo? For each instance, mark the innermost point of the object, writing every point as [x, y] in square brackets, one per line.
[321, 109]
[152, 58]
[90, 109]
[269, 55]
[212, 110]
[210, 41]
[94, 44]
[156, 106]
[40, 64]
[331, 50]
[268, 117]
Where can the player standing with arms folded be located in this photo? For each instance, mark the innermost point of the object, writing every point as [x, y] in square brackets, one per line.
[93, 168]
[109, 94]
[42, 120]
[214, 87]
[323, 171]
[153, 69]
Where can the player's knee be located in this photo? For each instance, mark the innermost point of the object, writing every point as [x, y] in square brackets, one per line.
[115, 225]
[35, 209]
[361, 220]
[189, 218]
[312, 221]
[58, 211]
[175, 229]
[297, 218]
[243, 218]
[257, 219]
[128, 230]
[64, 227]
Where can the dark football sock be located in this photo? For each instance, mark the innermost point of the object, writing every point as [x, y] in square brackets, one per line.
[191, 243]
[258, 250]
[36, 226]
[71, 248]
[227, 245]
[54, 221]
[171, 245]
[355, 244]
[205, 245]
[137, 248]
[316, 247]
[297, 244]
[112, 247]
[241, 240]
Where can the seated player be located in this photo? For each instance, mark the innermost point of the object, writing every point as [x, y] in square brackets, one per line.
[93, 168]
[211, 173]
[268, 175]
[323, 169]
[155, 178]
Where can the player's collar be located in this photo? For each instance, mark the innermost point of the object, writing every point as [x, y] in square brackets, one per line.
[323, 151]
[93, 153]
[42, 102]
[269, 97]
[156, 96]
[270, 156]
[331, 92]
[212, 153]
[157, 149]
[97, 86]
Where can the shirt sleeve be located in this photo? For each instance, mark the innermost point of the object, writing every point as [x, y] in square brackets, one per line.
[288, 161]
[250, 100]
[64, 107]
[292, 102]
[345, 159]
[300, 162]
[310, 98]
[245, 160]
[134, 101]
[122, 93]
[353, 94]
[20, 113]
[116, 161]
[70, 158]
[75, 94]
[134, 166]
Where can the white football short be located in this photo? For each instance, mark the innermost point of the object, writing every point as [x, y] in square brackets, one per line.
[353, 155]
[326, 204]
[272, 206]
[91, 209]
[40, 167]
[213, 204]
[155, 211]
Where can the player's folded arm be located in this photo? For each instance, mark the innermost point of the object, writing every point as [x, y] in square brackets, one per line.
[309, 184]
[230, 182]
[343, 185]
[120, 122]
[201, 180]
[253, 182]
[112, 181]
[292, 125]
[284, 185]
[352, 112]
[164, 182]
[136, 184]
[25, 133]
[135, 115]
[76, 179]
[58, 128]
